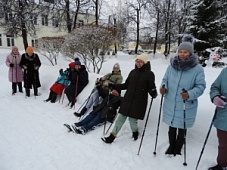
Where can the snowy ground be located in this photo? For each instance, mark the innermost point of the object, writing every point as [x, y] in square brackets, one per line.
[33, 136]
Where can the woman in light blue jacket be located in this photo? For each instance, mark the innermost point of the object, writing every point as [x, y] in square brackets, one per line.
[184, 81]
[218, 95]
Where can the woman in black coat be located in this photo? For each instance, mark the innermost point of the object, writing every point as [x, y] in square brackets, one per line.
[139, 83]
[78, 77]
[30, 63]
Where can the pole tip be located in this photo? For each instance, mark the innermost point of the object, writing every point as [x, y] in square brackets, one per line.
[185, 164]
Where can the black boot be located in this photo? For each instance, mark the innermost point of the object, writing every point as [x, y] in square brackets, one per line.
[216, 167]
[35, 92]
[82, 112]
[14, 87]
[109, 139]
[50, 96]
[20, 87]
[172, 141]
[135, 135]
[27, 92]
[54, 97]
[179, 142]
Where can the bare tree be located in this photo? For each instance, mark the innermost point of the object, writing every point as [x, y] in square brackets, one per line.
[50, 47]
[90, 43]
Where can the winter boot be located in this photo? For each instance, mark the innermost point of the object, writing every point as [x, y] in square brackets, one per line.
[172, 141]
[135, 135]
[109, 139]
[20, 87]
[27, 92]
[179, 145]
[82, 112]
[217, 167]
[50, 96]
[14, 87]
[35, 92]
[53, 97]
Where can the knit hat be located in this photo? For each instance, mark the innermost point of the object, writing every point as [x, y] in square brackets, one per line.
[116, 65]
[142, 57]
[187, 44]
[29, 50]
[77, 61]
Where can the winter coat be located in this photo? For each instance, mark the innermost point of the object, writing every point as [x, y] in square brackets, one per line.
[31, 75]
[138, 84]
[115, 78]
[60, 83]
[188, 75]
[15, 73]
[219, 88]
[78, 80]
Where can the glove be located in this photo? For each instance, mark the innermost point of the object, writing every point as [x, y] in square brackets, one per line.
[219, 101]
[61, 71]
[162, 90]
[185, 95]
[153, 93]
[11, 65]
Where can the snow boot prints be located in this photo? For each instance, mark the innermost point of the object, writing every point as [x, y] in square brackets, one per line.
[82, 112]
[109, 139]
[217, 167]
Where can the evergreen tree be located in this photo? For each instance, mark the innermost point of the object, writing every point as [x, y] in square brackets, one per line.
[206, 24]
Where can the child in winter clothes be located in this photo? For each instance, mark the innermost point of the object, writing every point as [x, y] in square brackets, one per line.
[57, 88]
[218, 95]
[182, 84]
[15, 73]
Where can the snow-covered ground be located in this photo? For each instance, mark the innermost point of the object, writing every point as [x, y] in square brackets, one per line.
[33, 136]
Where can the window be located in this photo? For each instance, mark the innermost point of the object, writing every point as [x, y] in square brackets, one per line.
[55, 22]
[81, 22]
[45, 20]
[10, 40]
[0, 39]
[33, 19]
[8, 16]
[35, 43]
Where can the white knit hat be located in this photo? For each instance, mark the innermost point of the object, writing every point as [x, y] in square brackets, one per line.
[142, 57]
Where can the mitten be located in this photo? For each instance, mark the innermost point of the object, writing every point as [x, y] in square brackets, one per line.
[153, 93]
[11, 65]
[162, 90]
[185, 95]
[219, 101]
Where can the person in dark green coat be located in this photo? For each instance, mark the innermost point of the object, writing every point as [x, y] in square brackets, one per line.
[140, 82]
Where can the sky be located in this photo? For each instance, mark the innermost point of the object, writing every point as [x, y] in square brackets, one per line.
[33, 136]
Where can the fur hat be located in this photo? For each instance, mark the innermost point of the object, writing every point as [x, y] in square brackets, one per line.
[116, 65]
[142, 57]
[187, 44]
[29, 50]
[77, 61]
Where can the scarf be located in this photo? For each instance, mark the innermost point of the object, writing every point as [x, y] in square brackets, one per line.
[185, 64]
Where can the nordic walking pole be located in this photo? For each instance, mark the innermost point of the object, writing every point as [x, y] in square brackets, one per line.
[184, 108]
[201, 153]
[145, 126]
[159, 117]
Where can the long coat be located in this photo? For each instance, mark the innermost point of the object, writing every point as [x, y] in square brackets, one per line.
[31, 75]
[193, 81]
[78, 80]
[219, 88]
[138, 84]
[15, 73]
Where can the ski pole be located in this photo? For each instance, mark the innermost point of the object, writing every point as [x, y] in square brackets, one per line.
[34, 85]
[145, 126]
[184, 108]
[159, 117]
[201, 153]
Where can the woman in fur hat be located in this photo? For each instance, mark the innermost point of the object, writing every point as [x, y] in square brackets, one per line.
[15, 73]
[182, 84]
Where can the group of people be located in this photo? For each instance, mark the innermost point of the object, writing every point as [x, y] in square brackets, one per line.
[182, 84]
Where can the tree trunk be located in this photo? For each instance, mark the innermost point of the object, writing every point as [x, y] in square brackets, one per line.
[156, 34]
[137, 31]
